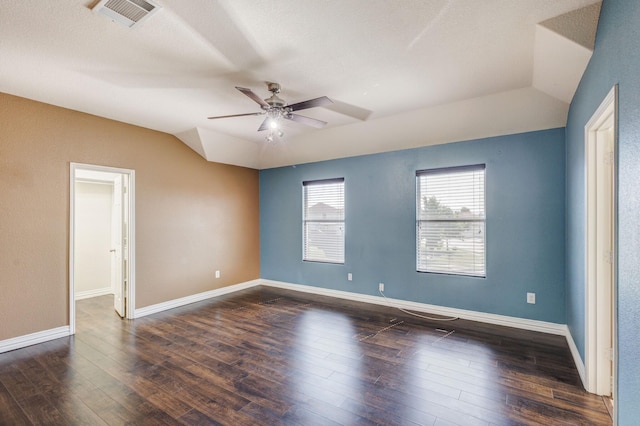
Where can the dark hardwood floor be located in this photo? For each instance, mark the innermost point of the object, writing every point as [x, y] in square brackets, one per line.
[269, 357]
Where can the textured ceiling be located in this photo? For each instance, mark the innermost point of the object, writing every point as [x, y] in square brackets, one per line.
[401, 73]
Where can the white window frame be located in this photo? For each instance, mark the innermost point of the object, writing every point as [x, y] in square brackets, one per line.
[464, 254]
[309, 224]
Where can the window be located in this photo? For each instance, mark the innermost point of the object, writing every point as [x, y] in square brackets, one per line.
[323, 220]
[450, 220]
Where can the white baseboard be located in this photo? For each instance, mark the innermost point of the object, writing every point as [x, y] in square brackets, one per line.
[34, 338]
[521, 323]
[170, 304]
[582, 371]
[87, 294]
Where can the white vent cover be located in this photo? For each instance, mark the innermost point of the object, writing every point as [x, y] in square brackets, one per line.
[130, 13]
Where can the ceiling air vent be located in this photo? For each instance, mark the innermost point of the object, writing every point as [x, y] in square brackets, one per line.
[130, 13]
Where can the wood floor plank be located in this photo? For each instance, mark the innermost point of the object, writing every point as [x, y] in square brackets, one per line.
[41, 411]
[332, 412]
[59, 392]
[262, 415]
[268, 356]
[10, 410]
[195, 417]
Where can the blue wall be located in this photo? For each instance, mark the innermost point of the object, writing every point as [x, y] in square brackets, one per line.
[525, 196]
[616, 59]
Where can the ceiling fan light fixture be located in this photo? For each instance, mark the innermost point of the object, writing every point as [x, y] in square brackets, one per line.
[273, 132]
[277, 110]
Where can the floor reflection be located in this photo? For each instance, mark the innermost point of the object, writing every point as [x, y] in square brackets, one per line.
[326, 356]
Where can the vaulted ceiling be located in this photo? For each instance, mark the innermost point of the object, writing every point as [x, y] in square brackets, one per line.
[401, 73]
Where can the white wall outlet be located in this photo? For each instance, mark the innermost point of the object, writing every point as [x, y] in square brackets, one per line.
[381, 287]
[350, 276]
[217, 274]
[531, 298]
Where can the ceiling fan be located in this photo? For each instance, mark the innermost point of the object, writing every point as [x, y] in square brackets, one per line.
[277, 110]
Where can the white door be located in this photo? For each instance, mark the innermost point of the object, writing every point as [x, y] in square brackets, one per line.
[605, 258]
[117, 246]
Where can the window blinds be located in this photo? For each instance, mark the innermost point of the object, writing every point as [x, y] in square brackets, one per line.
[323, 220]
[450, 225]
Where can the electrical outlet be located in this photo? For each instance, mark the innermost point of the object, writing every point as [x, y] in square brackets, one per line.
[217, 274]
[531, 298]
[350, 276]
[381, 287]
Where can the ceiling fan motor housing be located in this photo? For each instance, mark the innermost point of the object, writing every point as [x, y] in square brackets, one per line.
[273, 88]
[274, 101]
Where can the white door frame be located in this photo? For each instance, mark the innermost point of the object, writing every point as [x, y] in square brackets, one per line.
[130, 291]
[600, 317]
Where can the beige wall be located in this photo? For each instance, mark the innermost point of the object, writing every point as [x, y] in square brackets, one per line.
[192, 216]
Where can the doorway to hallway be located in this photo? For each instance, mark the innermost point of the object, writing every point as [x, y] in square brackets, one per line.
[101, 246]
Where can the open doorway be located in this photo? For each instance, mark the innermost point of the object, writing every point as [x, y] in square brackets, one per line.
[601, 292]
[101, 246]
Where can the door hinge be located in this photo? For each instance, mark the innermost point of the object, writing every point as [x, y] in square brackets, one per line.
[611, 385]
